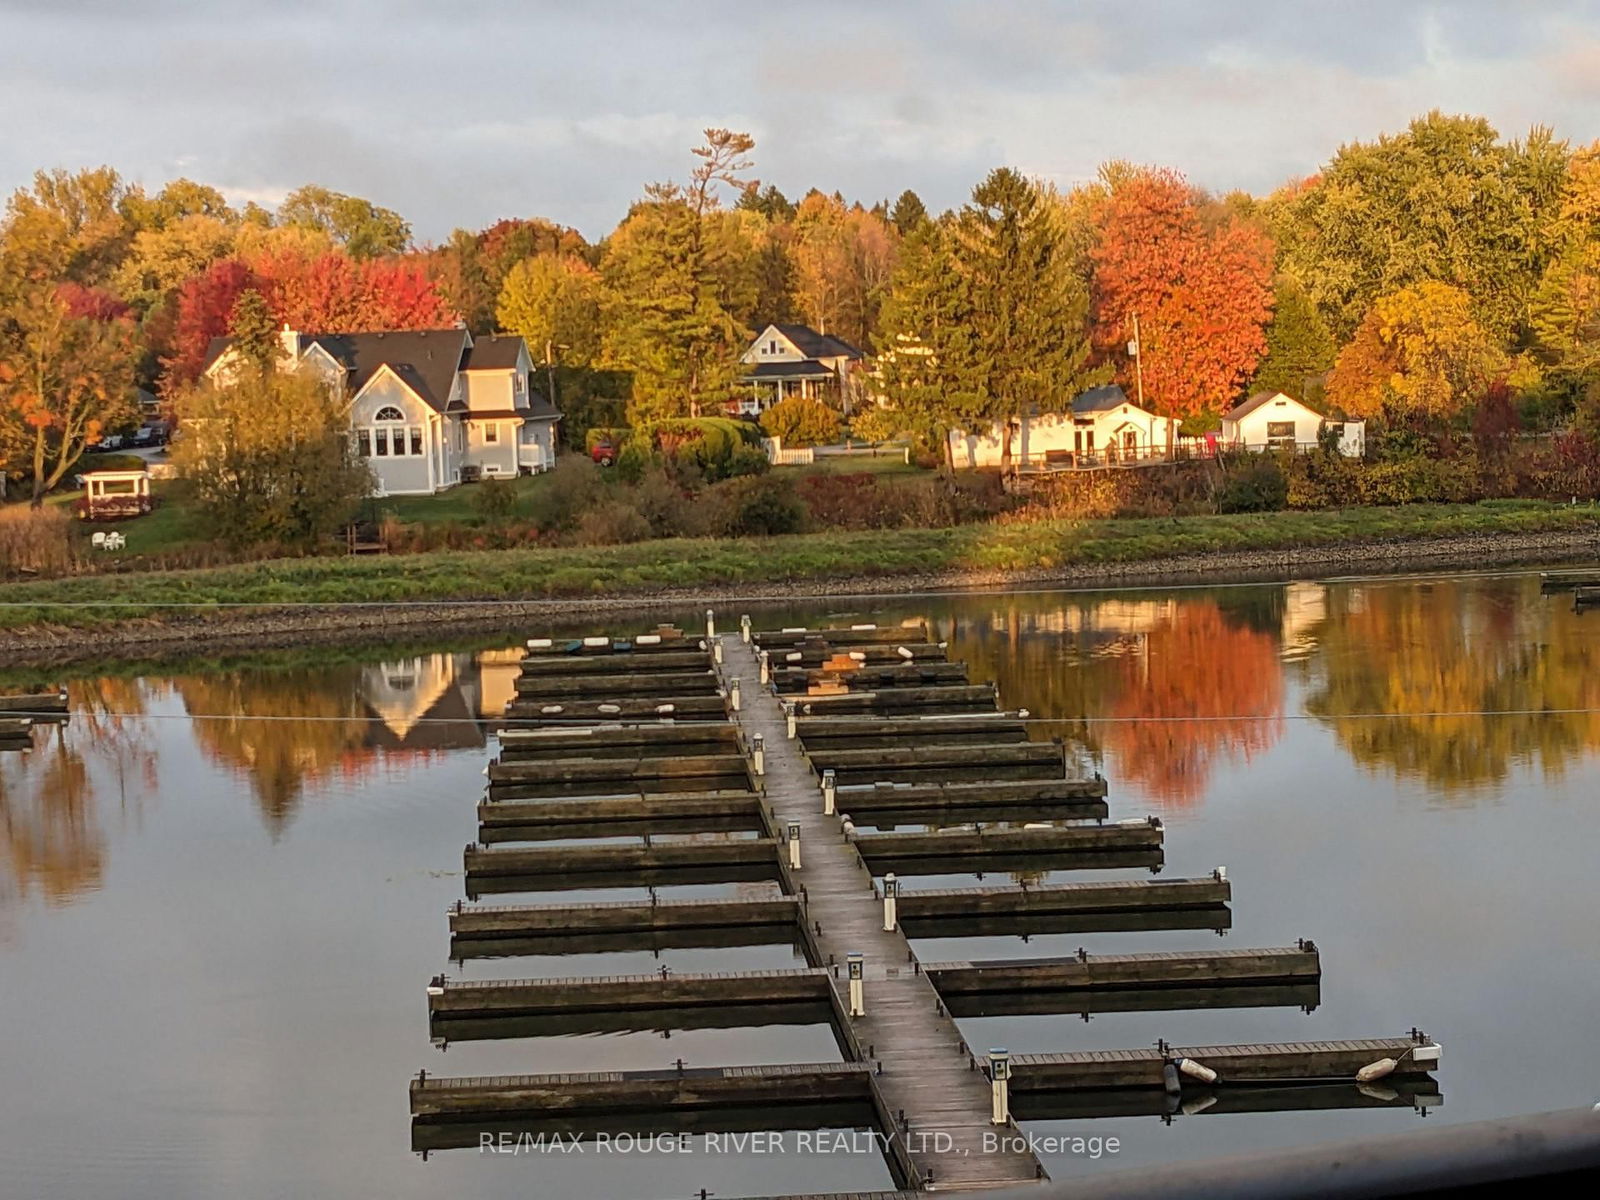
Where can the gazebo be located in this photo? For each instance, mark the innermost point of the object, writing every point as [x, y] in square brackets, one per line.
[115, 495]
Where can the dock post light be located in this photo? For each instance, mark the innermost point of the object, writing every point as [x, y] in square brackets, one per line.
[711, 623]
[891, 891]
[794, 845]
[829, 792]
[758, 754]
[858, 1004]
[744, 629]
[1000, 1084]
[733, 694]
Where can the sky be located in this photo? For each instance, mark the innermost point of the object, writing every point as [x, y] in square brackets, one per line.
[458, 114]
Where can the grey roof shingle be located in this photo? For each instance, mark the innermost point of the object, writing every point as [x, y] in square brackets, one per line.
[804, 369]
[493, 352]
[1100, 399]
[816, 345]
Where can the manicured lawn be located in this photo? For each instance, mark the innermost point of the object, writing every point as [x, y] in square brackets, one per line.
[455, 504]
[888, 461]
[646, 567]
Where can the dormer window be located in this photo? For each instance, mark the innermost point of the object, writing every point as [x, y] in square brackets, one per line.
[772, 346]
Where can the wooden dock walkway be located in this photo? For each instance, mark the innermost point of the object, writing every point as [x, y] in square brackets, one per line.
[928, 1072]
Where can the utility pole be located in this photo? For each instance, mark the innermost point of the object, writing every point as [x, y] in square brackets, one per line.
[1136, 348]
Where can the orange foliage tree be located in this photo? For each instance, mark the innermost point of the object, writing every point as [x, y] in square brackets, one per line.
[1200, 280]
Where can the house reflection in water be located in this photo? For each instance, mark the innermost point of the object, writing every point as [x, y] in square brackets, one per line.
[344, 722]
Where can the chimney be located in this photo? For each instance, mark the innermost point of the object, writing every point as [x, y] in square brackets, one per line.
[290, 341]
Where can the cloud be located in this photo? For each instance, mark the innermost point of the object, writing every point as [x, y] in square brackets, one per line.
[458, 116]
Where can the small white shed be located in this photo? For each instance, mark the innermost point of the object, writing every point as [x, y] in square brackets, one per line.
[1277, 421]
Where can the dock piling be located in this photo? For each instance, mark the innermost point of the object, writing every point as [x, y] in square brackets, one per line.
[711, 624]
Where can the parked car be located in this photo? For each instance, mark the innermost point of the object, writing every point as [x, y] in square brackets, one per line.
[148, 435]
[604, 453]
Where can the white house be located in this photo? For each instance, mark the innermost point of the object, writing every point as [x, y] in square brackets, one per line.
[795, 360]
[428, 408]
[1275, 421]
[1103, 428]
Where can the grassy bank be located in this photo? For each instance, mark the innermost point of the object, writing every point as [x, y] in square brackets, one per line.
[646, 568]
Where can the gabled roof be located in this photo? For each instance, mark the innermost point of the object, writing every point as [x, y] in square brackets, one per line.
[1245, 408]
[816, 345]
[426, 360]
[1101, 399]
[493, 352]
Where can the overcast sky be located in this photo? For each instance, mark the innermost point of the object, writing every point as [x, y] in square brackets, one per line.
[462, 113]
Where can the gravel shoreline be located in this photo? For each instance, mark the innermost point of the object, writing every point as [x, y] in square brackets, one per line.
[256, 629]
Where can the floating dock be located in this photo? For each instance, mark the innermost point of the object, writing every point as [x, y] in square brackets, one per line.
[839, 764]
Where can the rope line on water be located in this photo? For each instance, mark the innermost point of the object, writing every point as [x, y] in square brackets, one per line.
[588, 722]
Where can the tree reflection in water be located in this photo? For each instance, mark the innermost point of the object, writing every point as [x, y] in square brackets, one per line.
[1469, 648]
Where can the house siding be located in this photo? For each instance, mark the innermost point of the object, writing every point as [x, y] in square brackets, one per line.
[1058, 432]
[406, 475]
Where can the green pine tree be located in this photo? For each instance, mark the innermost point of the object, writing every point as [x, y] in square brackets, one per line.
[1300, 349]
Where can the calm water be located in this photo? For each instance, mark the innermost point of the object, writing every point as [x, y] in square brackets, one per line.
[215, 931]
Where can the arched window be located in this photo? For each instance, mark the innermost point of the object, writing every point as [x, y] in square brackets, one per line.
[389, 413]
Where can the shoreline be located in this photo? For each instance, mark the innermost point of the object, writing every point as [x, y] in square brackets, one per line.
[249, 627]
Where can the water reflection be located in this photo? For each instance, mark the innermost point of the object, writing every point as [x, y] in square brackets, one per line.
[282, 728]
[1504, 666]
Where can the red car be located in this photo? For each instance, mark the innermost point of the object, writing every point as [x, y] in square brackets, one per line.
[604, 453]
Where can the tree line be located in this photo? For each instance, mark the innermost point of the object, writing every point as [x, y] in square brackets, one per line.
[1413, 279]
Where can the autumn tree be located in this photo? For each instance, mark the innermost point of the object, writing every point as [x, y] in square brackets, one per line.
[471, 268]
[1565, 314]
[1444, 201]
[363, 228]
[1199, 279]
[337, 293]
[843, 259]
[1418, 353]
[202, 309]
[677, 272]
[64, 379]
[66, 227]
[553, 301]
[269, 457]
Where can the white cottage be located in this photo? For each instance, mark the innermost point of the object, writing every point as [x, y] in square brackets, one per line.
[795, 360]
[428, 408]
[1103, 428]
[1276, 421]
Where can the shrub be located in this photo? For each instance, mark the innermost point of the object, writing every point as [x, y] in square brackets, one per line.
[612, 524]
[876, 423]
[575, 486]
[709, 442]
[802, 421]
[495, 500]
[761, 506]
[36, 540]
[1257, 484]
[748, 460]
[864, 501]
[665, 506]
[631, 462]
[109, 462]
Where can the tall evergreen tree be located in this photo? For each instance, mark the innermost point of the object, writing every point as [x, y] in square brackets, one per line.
[254, 331]
[1029, 308]
[1300, 349]
[908, 214]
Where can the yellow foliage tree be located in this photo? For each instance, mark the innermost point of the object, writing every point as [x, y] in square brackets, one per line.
[1418, 352]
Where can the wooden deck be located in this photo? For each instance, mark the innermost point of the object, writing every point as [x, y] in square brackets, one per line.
[927, 1070]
